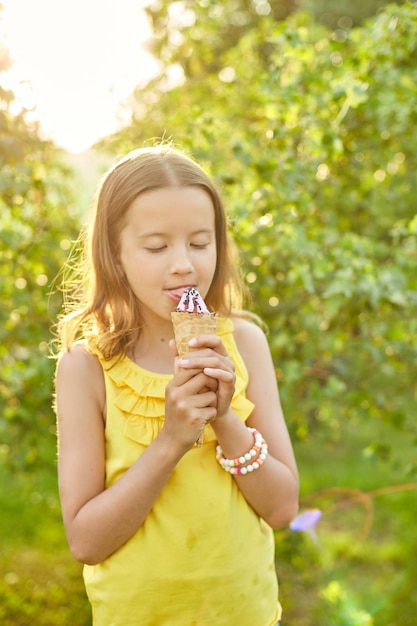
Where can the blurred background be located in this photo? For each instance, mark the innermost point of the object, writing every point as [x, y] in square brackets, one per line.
[305, 113]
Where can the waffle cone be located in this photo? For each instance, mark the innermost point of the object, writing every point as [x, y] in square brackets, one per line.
[188, 325]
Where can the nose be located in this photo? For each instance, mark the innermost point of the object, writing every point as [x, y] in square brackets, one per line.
[181, 262]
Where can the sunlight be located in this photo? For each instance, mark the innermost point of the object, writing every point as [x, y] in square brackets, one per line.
[76, 61]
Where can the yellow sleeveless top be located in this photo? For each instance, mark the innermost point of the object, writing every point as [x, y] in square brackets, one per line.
[202, 557]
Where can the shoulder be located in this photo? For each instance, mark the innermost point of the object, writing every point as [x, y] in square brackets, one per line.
[246, 328]
[78, 358]
[80, 371]
[250, 338]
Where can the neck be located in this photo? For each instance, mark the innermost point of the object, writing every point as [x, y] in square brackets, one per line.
[152, 349]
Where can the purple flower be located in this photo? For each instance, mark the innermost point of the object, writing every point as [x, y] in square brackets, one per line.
[306, 522]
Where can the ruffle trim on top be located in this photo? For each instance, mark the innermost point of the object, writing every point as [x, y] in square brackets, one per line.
[140, 393]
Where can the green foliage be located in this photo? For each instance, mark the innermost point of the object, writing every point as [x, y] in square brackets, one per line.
[311, 134]
[357, 570]
[36, 227]
[40, 583]
[331, 218]
[338, 14]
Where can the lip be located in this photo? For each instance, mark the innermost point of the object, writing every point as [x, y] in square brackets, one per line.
[175, 293]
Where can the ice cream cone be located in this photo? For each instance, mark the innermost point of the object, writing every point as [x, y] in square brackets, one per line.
[188, 325]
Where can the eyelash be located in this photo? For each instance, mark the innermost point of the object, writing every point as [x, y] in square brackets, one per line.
[155, 250]
[193, 245]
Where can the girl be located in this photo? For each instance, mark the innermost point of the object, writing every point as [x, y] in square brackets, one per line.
[171, 534]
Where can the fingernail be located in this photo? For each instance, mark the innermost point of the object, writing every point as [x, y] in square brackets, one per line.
[184, 361]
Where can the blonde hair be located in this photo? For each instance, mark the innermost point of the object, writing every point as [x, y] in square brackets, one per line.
[98, 298]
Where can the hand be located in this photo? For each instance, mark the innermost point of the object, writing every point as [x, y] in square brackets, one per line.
[208, 355]
[190, 404]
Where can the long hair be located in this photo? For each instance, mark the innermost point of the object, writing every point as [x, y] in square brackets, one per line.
[98, 298]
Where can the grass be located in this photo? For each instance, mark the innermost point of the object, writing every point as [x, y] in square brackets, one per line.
[360, 572]
[40, 583]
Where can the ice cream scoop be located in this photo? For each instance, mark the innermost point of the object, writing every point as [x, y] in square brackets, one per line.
[192, 318]
[192, 302]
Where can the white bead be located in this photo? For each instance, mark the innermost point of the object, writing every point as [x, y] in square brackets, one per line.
[257, 453]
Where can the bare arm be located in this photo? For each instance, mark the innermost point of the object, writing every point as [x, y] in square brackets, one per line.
[98, 520]
[272, 490]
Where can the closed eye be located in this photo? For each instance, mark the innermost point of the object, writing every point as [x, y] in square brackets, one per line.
[155, 250]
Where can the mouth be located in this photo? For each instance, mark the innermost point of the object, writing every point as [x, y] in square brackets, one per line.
[176, 293]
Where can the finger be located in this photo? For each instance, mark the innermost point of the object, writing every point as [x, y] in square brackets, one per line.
[197, 383]
[219, 374]
[208, 341]
[200, 417]
[208, 414]
[183, 375]
[211, 384]
[202, 362]
[173, 346]
[205, 398]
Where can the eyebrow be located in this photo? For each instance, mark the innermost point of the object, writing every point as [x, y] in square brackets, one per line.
[200, 231]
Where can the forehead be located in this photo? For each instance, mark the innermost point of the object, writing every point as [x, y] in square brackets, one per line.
[172, 207]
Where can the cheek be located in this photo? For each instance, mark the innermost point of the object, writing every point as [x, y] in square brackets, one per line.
[206, 263]
[211, 265]
[143, 270]
[132, 259]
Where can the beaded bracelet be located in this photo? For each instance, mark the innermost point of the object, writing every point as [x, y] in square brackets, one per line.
[237, 466]
[248, 456]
